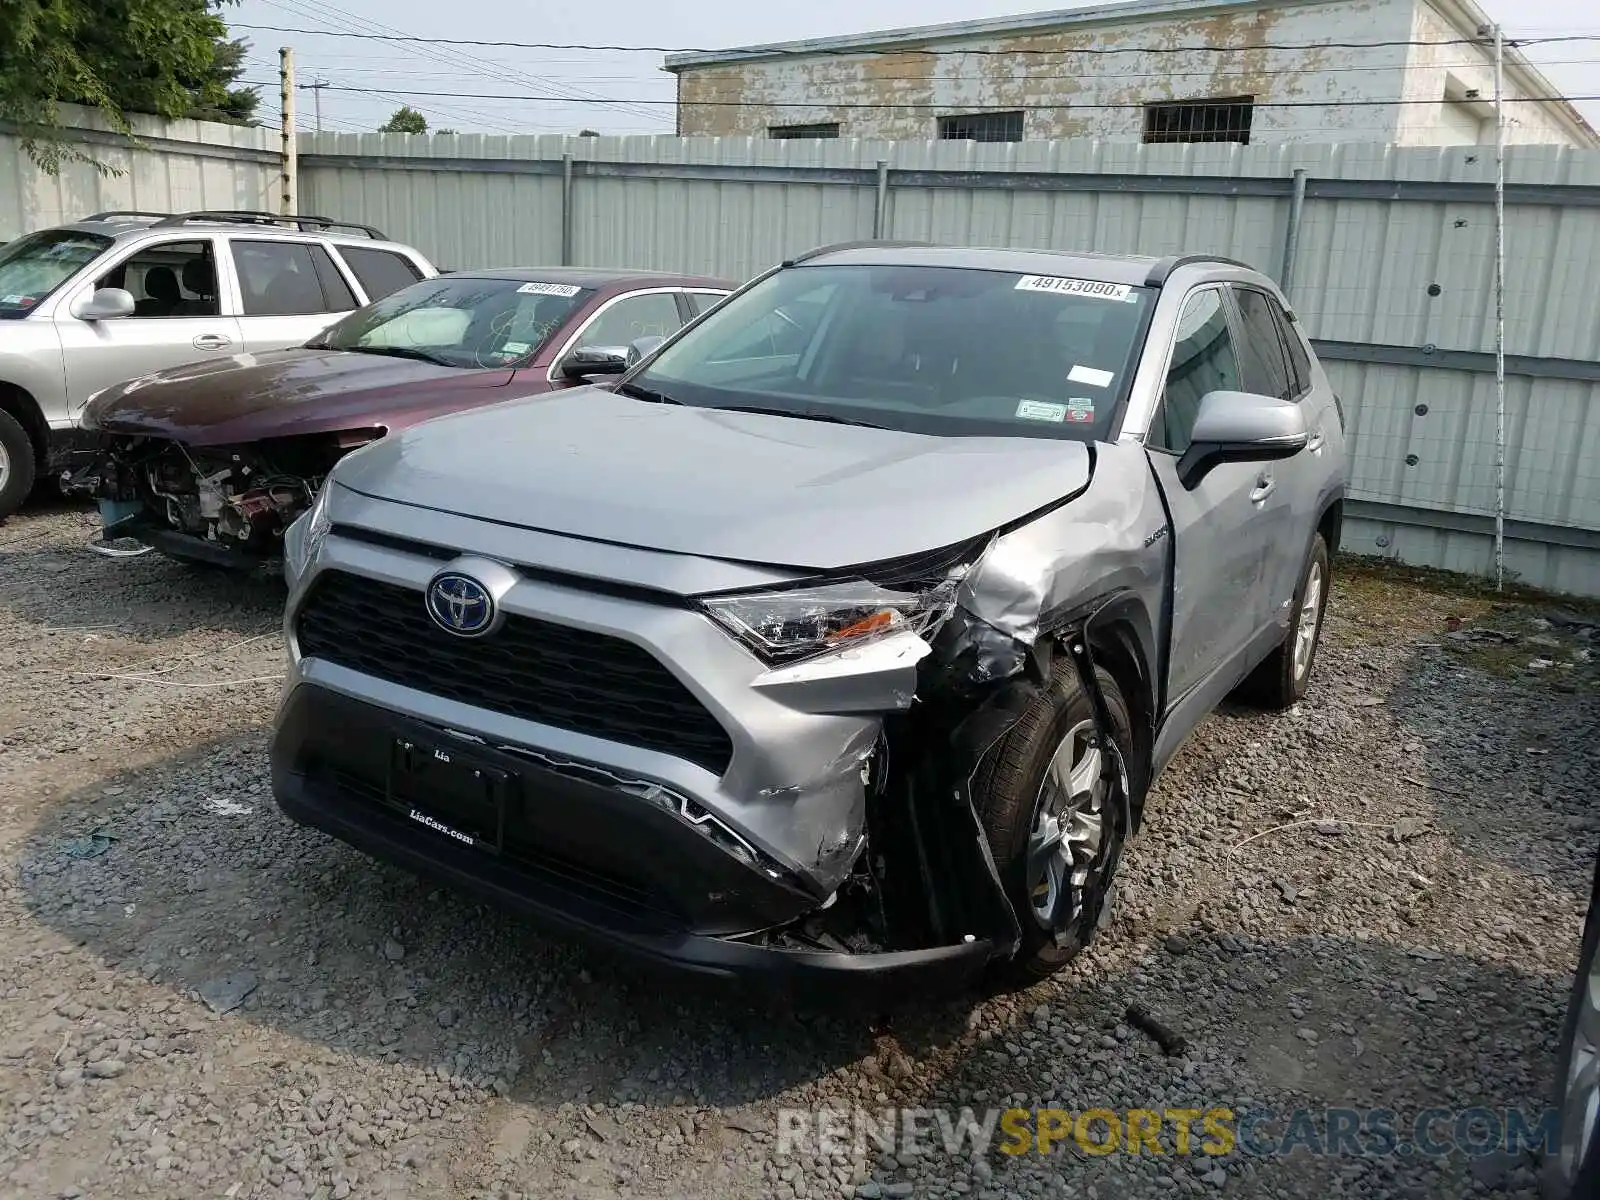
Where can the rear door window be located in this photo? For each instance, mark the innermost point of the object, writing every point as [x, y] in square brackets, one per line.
[287, 279]
[1262, 367]
[1299, 360]
[380, 272]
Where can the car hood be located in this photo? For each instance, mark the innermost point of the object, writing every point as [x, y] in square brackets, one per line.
[779, 490]
[249, 397]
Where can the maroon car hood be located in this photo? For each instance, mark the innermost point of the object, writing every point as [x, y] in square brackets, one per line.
[285, 393]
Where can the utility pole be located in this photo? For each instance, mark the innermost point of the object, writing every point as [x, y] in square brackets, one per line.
[288, 150]
[315, 88]
[1499, 311]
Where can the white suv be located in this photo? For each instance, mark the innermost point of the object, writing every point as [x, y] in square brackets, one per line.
[120, 294]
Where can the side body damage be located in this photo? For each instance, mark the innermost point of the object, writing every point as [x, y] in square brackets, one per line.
[927, 877]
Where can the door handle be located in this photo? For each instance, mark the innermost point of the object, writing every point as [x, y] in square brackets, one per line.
[1316, 441]
[1264, 485]
[212, 341]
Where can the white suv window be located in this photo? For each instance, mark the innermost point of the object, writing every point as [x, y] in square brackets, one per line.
[168, 279]
[289, 279]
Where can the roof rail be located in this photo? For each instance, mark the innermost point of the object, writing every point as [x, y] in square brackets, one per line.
[1160, 272]
[304, 222]
[111, 213]
[862, 244]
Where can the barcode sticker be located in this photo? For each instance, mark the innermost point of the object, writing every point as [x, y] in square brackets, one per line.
[550, 289]
[1074, 287]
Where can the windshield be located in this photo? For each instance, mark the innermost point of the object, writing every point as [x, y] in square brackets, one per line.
[460, 321]
[35, 265]
[941, 350]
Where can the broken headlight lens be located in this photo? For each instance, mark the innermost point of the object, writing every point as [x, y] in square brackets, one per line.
[305, 536]
[788, 625]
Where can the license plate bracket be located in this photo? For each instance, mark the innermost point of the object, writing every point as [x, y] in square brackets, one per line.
[449, 791]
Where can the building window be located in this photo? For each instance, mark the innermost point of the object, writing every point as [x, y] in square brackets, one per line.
[982, 127]
[818, 129]
[1225, 120]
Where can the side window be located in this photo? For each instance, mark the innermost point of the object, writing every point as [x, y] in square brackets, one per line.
[700, 302]
[381, 272]
[1299, 360]
[654, 313]
[172, 279]
[1203, 360]
[289, 279]
[1261, 361]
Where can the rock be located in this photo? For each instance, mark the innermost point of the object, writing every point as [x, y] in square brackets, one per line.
[107, 1068]
[1287, 890]
[1177, 944]
[1426, 994]
[393, 951]
[446, 1017]
[68, 1077]
[227, 993]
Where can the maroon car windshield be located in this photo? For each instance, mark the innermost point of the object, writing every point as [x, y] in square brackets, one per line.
[472, 322]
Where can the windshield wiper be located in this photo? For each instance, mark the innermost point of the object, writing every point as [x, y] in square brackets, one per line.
[639, 392]
[400, 352]
[803, 414]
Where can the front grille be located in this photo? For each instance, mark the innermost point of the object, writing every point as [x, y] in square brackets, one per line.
[571, 678]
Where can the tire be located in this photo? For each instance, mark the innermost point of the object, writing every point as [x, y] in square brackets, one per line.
[1567, 1176]
[1009, 795]
[17, 465]
[1283, 679]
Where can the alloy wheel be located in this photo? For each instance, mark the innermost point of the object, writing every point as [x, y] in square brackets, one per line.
[1069, 828]
[1580, 1096]
[1308, 621]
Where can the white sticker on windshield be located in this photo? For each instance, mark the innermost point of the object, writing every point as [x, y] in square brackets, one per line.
[514, 348]
[1093, 376]
[1041, 410]
[1074, 287]
[12, 299]
[550, 289]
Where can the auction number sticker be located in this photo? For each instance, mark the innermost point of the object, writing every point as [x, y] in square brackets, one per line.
[1120, 292]
[549, 289]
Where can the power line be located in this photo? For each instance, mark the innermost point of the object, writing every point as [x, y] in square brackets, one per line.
[808, 52]
[854, 105]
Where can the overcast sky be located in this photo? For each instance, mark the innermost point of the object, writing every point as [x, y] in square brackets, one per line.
[618, 78]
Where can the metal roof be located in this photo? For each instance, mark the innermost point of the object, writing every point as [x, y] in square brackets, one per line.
[1099, 14]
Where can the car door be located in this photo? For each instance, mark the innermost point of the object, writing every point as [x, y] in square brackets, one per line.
[178, 317]
[289, 291]
[621, 320]
[1288, 508]
[1220, 541]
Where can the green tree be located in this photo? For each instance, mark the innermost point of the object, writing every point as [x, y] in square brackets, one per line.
[168, 58]
[405, 120]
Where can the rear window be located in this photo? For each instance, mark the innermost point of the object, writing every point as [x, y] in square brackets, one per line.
[289, 279]
[34, 266]
[381, 272]
[926, 349]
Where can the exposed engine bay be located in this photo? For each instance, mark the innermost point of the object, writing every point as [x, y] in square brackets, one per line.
[215, 502]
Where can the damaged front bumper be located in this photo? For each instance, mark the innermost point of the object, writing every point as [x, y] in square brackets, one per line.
[588, 859]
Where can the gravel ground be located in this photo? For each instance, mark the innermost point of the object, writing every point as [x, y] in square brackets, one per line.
[1373, 900]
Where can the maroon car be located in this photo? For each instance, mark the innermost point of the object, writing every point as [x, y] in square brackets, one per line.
[213, 460]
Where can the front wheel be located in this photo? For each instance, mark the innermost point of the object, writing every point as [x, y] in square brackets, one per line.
[17, 465]
[1055, 824]
[1572, 1166]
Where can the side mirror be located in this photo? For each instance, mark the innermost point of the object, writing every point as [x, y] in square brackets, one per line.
[595, 360]
[104, 304]
[1241, 427]
[643, 347]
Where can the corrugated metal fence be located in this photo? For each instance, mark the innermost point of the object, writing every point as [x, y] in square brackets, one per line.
[1389, 262]
[1392, 270]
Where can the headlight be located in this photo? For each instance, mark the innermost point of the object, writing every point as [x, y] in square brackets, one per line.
[304, 538]
[787, 625]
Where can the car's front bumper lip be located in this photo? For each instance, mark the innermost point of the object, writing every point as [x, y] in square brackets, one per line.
[310, 799]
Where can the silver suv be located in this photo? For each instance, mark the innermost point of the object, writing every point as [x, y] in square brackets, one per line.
[845, 634]
[120, 294]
